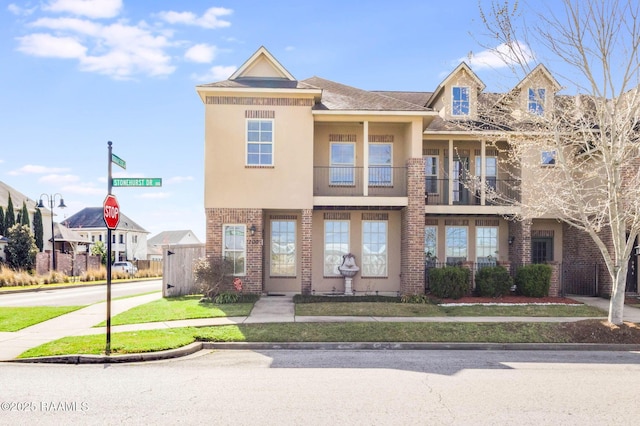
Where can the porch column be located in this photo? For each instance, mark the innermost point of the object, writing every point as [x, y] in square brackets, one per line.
[483, 171]
[365, 158]
[412, 230]
[306, 228]
[450, 168]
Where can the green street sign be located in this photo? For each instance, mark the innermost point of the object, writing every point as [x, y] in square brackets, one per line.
[137, 182]
[119, 161]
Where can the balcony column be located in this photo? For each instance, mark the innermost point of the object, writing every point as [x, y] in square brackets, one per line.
[483, 172]
[451, 178]
[365, 158]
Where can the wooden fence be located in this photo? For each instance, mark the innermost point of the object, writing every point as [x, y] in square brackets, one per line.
[177, 273]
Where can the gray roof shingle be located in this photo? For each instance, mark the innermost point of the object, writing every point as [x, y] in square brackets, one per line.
[93, 217]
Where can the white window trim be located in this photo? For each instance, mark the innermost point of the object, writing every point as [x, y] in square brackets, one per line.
[390, 183]
[497, 249]
[537, 101]
[453, 113]
[435, 254]
[295, 241]
[386, 253]
[352, 165]
[446, 245]
[224, 226]
[247, 142]
[324, 245]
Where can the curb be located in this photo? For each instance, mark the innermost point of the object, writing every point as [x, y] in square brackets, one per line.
[198, 346]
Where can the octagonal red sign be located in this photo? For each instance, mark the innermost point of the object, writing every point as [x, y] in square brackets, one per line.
[111, 211]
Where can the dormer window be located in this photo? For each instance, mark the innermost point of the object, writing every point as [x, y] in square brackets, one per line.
[536, 101]
[460, 101]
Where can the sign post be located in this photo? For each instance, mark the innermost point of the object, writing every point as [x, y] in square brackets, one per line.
[111, 217]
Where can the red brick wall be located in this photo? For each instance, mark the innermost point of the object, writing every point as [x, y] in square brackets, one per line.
[306, 249]
[252, 281]
[578, 247]
[412, 230]
[520, 250]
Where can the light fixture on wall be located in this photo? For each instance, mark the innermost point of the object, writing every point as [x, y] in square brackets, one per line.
[511, 239]
[252, 230]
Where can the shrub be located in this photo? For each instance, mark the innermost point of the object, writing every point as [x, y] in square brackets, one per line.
[533, 280]
[493, 281]
[226, 297]
[450, 282]
[212, 275]
[415, 298]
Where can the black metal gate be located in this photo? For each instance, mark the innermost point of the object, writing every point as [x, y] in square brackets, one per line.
[580, 279]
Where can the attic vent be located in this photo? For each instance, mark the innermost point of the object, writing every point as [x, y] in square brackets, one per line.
[375, 216]
[456, 222]
[487, 222]
[259, 114]
[337, 216]
[342, 138]
[380, 138]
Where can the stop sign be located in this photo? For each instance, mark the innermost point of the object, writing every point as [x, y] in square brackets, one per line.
[111, 211]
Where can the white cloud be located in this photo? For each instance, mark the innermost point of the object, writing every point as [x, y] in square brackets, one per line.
[289, 48]
[81, 26]
[210, 19]
[83, 189]
[20, 11]
[89, 8]
[201, 53]
[34, 169]
[500, 57]
[59, 179]
[48, 46]
[216, 73]
[178, 179]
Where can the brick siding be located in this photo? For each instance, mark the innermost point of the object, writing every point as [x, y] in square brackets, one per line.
[412, 230]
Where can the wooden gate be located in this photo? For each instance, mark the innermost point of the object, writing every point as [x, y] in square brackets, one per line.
[177, 273]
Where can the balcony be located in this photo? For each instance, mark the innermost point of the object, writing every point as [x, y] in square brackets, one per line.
[498, 192]
[338, 181]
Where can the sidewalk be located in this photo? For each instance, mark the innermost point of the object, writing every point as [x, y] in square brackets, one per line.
[269, 309]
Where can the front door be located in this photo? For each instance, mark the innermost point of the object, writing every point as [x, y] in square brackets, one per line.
[632, 271]
[281, 267]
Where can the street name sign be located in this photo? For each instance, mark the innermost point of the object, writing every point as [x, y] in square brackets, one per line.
[137, 182]
[119, 161]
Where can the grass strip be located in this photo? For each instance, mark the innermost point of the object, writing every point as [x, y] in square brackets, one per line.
[432, 310]
[17, 318]
[179, 308]
[157, 340]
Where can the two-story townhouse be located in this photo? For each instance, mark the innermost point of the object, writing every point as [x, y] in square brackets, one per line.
[128, 240]
[300, 173]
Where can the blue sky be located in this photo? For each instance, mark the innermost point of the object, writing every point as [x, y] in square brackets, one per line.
[78, 73]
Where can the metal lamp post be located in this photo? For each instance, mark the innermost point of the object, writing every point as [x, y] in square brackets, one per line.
[51, 199]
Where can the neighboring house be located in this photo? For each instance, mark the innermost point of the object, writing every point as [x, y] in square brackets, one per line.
[300, 173]
[17, 198]
[70, 241]
[155, 243]
[3, 244]
[128, 240]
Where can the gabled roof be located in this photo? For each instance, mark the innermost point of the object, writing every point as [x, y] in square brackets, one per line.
[63, 233]
[17, 198]
[170, 237]
[262, 64]
[340, 97]
[463, 67]
[93, 218]
[539, 69]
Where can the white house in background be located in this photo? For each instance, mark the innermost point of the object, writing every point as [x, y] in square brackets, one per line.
[128, 240]
[17, 198]
[155, 243]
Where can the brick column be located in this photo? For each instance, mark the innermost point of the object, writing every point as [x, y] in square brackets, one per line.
[520, 250]
[306, 248]
[412, 230]
[252, 281]
[554, 285]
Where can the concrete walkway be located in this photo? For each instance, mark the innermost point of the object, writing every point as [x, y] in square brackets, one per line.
[269, 309]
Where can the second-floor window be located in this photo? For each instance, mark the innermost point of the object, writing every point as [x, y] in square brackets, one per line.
[343, 161]
[431, 174]
[491, 170]
[380, 159]
[460, 101]
[121, 238]
[260, 142]
[536, 101]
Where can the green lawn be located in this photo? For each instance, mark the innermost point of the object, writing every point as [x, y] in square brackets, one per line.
[156, 340]
[177, 308]
[14, 319]
[390, 309]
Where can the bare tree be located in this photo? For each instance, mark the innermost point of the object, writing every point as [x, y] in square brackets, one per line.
[593, 183]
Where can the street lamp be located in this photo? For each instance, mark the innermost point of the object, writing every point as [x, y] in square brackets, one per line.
[51, 199]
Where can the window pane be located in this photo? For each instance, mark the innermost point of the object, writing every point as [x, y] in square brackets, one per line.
[486, 244]
[374, 248]
[283, 248]
[430, 241]
[336, 245]
[342, 153]
[259, 141]
[456, 244]
[234, 247]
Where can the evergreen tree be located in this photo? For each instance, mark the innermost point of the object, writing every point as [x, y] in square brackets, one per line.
[38, 230]
[10, 216]
[21, 249]
[2, 230]
[24, 216]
